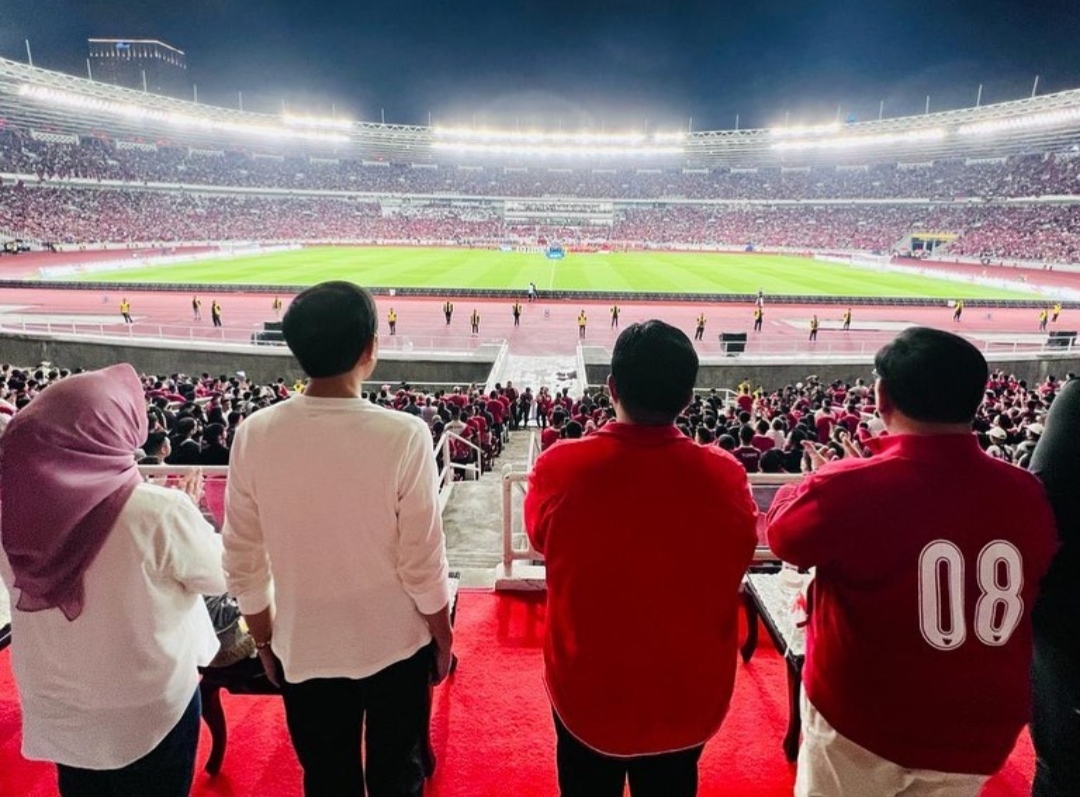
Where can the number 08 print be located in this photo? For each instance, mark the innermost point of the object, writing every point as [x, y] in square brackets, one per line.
[1000, 574]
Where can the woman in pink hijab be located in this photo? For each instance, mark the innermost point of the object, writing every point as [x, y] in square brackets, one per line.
[106, 574]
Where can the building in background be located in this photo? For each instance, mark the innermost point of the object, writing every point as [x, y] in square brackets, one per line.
[140, 64]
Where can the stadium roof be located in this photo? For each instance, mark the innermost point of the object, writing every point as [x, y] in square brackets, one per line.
[42, 100]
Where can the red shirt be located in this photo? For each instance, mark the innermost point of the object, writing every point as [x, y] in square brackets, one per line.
[549, 437]
[891, 536]
[640, 647]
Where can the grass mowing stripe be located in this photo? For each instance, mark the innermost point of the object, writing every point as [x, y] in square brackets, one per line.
[644, 272]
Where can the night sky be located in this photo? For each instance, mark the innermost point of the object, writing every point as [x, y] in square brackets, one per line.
[574, 63]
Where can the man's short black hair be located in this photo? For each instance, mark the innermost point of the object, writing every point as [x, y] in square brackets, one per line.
[654, 368]
[932, 375]
[155, 442]
[329, 326]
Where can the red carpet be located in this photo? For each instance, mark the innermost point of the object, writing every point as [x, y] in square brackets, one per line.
[491, 727]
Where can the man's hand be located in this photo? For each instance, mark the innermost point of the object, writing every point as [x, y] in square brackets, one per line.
[442, 637]
[444, 657]
[271, 665]
[192, 484]
[817, 455]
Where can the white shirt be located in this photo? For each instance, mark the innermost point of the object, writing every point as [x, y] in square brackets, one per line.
[103, 690]
[332, 520]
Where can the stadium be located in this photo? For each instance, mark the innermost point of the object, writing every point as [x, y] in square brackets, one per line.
[791, 254]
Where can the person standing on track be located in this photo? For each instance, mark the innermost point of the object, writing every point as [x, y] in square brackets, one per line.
[958, 310]
[814, 326]
[615, 310]
[196, 307]
[759, 315]
[125, 311]
[847, 320]
[276, 306]
[1044, 316]
[474, 321]
[699, 330]
[582, 322]
[391, 320]
[515, 309]
[215, 313]
[448, 311]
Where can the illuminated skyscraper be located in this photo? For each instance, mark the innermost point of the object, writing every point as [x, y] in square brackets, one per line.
[140, 64]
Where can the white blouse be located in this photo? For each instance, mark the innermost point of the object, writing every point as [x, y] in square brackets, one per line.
[103, 690]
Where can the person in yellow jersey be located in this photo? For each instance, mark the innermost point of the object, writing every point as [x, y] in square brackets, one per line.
[1056, 313]
[515, 309]
[958, 309]
[759, 316]
[215, 313]
[847, 320]
[1044, 316]
[699, 331]
[276, 306]
[582, 322]
[814, 326]
[125, 311]
[391, 319]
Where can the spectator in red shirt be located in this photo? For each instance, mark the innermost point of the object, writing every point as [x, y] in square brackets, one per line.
[639, 679]
[747, 455]
[551, 434]
[919, 644]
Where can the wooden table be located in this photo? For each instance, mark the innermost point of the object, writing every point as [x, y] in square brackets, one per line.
[762, 598]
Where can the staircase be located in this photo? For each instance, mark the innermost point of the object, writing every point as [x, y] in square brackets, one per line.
[472, 519]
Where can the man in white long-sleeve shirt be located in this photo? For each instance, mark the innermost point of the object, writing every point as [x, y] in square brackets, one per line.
[334, 549]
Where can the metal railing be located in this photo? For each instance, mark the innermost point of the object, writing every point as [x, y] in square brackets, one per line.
[471, 470]
[239, 335]
[517, 550]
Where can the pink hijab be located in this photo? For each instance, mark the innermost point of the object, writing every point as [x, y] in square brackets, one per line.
[67, 471]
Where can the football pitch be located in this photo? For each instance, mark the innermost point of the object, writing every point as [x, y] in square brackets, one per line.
[624, 272]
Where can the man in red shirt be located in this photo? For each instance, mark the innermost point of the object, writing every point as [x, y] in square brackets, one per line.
[640, 647]
[928, 559]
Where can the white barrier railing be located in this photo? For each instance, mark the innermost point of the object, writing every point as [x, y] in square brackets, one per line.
[229, 334]
[472, 470]
[522, 565]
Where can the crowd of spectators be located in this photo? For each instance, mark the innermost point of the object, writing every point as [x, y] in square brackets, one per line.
[766, 430]
[192, 419]
[101, 158]
[66, 215]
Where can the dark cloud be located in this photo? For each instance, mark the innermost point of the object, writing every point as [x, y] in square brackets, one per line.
[552, 61]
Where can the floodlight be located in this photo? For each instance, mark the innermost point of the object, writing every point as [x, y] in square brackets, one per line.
[177, 118]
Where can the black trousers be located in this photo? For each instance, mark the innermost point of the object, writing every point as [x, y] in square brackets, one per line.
[326, 716]
[166, 771]
[1055, 723]
[583, 772]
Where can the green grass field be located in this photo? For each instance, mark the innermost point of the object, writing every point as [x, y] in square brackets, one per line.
[644, 272]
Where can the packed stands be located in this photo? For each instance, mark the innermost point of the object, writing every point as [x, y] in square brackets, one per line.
[69, 215]
[199, 414]
[96, 158]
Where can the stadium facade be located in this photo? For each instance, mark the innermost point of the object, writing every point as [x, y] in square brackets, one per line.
[40, 100]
